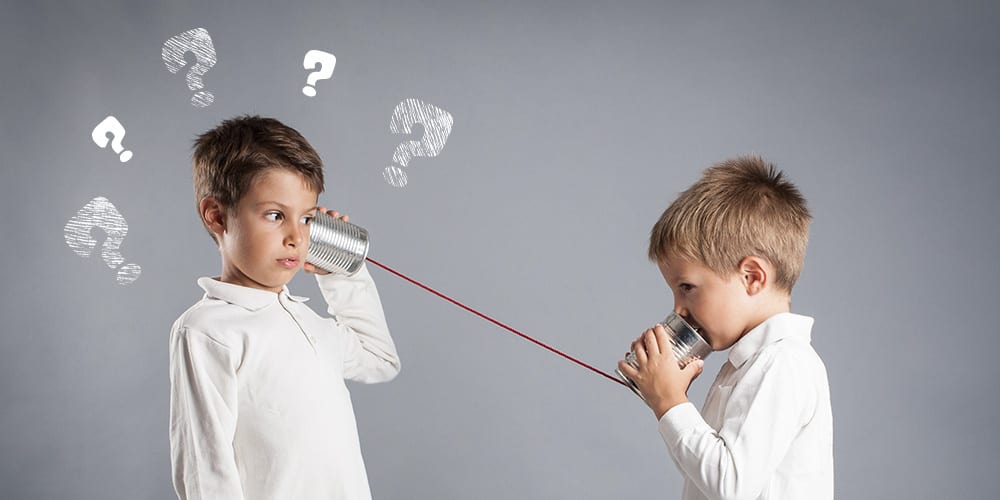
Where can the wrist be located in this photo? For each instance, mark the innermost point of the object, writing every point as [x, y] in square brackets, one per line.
[662, 407]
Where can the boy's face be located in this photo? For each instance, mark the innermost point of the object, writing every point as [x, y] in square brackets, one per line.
[266, 235]
[720, 308]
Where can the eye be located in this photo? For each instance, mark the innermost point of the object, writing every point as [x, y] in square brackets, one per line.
[307, 219]
[685, 287]
[274, 216]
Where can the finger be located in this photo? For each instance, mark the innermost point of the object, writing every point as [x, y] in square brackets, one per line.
[627, 369]
[310, 268]
[636, 346]
[641, 354]
[663, 338]
[649, 338]
[693, 368]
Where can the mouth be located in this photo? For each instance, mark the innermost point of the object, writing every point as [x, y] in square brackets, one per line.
[289, 263]
[692, 323]
[697, 328]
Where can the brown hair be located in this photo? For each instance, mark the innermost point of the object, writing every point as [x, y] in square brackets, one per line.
[230, 157]
[740, 207]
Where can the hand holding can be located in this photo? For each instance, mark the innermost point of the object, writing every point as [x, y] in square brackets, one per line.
[685, 342]
[335, 245]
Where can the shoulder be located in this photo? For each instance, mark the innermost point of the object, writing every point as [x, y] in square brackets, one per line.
[211, 318]
[791, 356]
[792, 368]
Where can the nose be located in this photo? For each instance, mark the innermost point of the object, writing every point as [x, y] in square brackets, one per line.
[680, 308]
[297, 235]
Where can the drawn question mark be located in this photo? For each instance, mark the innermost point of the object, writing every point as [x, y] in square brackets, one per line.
[198, 42]
[437, 125]
[102, 214]
[111, 125]
[326, 63]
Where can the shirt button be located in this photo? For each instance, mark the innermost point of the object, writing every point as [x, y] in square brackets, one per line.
[312, 338]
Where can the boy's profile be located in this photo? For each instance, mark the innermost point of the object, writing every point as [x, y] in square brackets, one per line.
[730, 248]
[258, 404]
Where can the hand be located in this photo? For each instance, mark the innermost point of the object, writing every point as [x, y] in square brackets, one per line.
[660, 379]
[308, 267]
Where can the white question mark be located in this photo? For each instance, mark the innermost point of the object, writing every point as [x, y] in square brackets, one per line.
[437, 126]
[326, 62]
[198, 42]
[111, 125]
[101, 213]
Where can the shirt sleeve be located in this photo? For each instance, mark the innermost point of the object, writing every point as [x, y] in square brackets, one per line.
[369, 353]
[203, 411]
[759, 424]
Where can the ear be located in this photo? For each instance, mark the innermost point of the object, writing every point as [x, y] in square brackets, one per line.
[213, 215]
[754, 273]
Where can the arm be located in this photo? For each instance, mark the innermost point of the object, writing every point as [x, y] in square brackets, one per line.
[369, 353]
[760, 422]
[203, 412]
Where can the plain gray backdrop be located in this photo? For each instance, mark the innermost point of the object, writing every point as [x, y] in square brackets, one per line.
[576, 123]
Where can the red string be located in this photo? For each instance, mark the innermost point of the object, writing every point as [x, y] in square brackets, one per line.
[481, 315]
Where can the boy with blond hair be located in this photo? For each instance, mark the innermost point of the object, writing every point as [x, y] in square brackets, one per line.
[258, 405]
[730, 248]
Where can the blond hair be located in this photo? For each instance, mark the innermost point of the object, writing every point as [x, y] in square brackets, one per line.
[739, 208]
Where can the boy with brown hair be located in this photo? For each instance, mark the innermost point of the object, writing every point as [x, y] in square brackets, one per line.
[730, 248]
[258, 404]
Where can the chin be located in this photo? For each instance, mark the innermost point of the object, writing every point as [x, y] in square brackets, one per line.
[711, 343]
[276, 283]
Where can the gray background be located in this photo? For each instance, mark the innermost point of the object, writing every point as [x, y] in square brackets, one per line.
[575, 125]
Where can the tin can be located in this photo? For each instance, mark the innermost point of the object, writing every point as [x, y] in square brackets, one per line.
[335, 245]
[685, 342]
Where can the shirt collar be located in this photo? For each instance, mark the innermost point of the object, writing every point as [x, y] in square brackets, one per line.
[252, 299]
[773, 329]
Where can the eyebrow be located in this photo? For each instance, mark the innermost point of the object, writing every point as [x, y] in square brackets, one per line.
[680, 279]
[282, 205]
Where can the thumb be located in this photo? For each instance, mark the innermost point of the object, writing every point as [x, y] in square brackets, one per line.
[693, 369]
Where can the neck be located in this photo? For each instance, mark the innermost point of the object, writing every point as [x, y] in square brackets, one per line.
[769, 305]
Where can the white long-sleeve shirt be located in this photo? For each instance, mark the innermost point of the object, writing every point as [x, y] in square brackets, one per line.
[258, 405]
[766, 430]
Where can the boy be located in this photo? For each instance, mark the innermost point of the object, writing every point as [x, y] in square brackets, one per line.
[258, 405]
[730, 248]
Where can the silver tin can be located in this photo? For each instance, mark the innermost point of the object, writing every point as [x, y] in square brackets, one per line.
[685, 342]
[335, 245]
